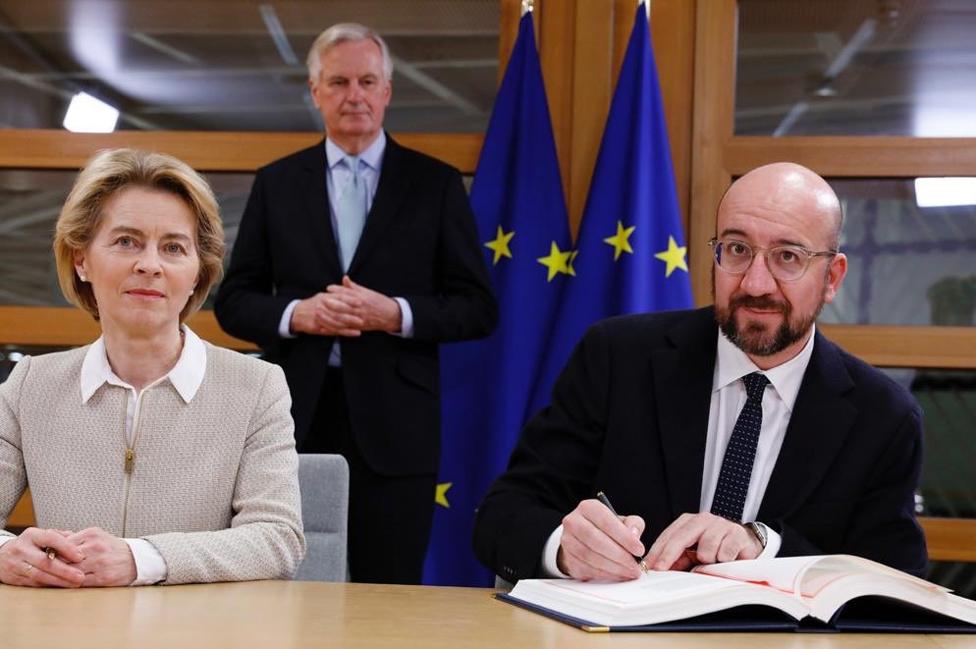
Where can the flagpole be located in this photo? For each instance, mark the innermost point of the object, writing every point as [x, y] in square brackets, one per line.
[527, 6]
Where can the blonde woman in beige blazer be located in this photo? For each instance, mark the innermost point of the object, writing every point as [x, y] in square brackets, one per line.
[151, 455]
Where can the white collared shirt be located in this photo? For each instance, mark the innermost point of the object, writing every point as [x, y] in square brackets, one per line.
[728, 398]
[186, 377]
[337, 176]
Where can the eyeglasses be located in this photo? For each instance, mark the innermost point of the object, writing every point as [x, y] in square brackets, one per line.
[785, 263]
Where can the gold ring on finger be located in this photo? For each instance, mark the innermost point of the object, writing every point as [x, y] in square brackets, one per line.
[30, 567]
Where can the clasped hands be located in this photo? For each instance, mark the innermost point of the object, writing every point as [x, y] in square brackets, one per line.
[346, 309]
[91, 557]
[597, 545]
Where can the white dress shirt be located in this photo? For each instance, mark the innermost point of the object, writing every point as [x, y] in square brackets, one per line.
[337, 176]
[728, 398]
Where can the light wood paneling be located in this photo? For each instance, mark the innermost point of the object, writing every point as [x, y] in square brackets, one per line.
[556, 23]
[857, 156]
[950, 539]
[592, 90]
[673, 33]
[205, 151]
[893, 346]
[713, 119]
[623, 22]
[71, 327]
[23, 513]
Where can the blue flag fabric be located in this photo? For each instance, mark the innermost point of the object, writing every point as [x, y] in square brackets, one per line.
[517, 198]
[631, 253]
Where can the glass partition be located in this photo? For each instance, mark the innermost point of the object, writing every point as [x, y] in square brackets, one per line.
[239, 66]
[908, 265]
[30, 201]
[831, 67]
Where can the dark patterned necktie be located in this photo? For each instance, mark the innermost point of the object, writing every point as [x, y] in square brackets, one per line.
[733, 479]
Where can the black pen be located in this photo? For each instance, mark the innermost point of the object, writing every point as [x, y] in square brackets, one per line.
[602, 497]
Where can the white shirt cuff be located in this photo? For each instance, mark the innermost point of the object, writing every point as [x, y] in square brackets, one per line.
[150, 565]
[773, 543]
[4, 538]
[284, 327]
[550, 568]
[406, 319]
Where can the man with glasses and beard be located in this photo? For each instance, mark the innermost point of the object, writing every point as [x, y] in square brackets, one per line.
[731, 432]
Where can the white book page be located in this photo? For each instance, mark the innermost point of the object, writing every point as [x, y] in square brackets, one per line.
[827, 582]
[783, 574]
[654, 597]
[827, 568]
[650, 588]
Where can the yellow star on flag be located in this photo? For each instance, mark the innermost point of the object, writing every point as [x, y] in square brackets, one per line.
[674, 257]
[572, 259]
[440, 494]
[620, 241]
[556, 261]
[500, 244]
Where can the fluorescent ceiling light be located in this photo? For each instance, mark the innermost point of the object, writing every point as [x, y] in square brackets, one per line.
[86, 114]
[944, 192]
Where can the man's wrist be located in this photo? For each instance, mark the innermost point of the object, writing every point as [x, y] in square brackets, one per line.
[285, 329]
[759, 531]
[396, 317]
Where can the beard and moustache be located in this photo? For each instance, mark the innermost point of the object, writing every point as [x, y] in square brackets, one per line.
[754, 338]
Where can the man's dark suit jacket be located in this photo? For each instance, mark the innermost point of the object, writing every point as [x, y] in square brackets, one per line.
[629, 416]
[419, 243]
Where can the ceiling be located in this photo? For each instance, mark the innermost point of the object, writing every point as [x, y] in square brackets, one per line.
[871, 67]
[236, 64]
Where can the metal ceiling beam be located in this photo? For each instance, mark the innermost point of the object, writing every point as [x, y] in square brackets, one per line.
[434, 87]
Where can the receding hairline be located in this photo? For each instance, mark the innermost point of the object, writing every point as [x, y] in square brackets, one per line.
[795, 177]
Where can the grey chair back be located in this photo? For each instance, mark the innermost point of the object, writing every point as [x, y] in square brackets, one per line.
[324, 481]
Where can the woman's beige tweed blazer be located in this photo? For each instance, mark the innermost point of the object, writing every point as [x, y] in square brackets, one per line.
[214, 483]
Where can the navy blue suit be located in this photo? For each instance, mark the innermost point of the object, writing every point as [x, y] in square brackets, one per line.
[382, 410]
[629, 416]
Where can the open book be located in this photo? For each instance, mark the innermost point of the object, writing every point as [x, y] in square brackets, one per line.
[832, 592]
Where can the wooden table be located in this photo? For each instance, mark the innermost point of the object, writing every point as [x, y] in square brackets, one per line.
[275, 614]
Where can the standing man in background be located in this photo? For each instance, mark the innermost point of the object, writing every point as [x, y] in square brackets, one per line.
[354, 259]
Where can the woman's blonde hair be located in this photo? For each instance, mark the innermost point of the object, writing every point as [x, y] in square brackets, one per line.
[107, 173]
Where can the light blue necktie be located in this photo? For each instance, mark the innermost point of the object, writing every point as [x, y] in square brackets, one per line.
[351, 212]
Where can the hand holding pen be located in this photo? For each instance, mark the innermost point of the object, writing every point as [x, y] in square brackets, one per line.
[602, 497]
[597, 544]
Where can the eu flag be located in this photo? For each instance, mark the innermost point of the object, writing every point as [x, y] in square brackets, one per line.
[631, 252]
[517, 198]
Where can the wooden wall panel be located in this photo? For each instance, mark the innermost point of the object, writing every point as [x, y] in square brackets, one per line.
[72, 327]
[592, 88]
[205, 151]
[950, 539]
[713, 118]
[511, 14]
[673, 33]
[23, 513]
[556, 22]
[857, 156]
